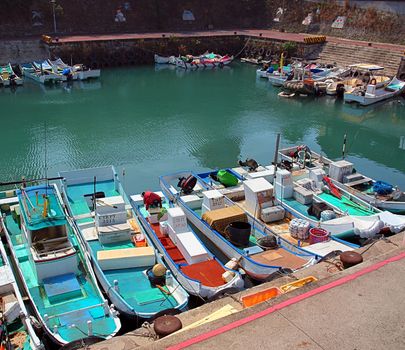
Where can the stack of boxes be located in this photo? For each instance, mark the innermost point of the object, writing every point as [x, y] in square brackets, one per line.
[212, 200]
[284, 184]
[259, 200]
[186, 241]
[111, 220]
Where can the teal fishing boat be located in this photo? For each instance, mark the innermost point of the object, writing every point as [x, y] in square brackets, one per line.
[122, 256]
[16, 328]
[53, 267]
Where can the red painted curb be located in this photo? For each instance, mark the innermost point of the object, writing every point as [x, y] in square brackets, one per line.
[286, 303]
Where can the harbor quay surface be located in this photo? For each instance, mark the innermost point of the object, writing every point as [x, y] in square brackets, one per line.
[358, 308]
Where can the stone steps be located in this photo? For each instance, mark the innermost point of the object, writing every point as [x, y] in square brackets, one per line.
[345, 55]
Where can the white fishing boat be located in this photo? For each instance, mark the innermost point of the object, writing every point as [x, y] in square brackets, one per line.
[379, 194]
[256, 197]
[46, 67]
[76, 72]
[16, 326]
[198, 270]
[40, 76]
[165, 60]
[227, 227]
[370, 93]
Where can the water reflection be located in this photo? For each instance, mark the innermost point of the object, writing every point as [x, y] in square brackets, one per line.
[152, 122]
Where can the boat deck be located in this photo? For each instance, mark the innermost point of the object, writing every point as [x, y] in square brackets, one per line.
[208, 272]
[72, 310]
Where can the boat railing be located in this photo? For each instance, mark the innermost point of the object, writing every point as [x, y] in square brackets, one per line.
[104, 305]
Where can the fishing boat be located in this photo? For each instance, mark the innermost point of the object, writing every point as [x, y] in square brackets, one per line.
[16, 328]
[8, 77]
[256, 197]
[227, 227]
[370, 93]
[77, 71]
[54, 269]
[357, 77]
[204, 61]
[198, 270]
[121, 253]
[378, 193]
[165, 60]
[41, 76]
[46, 67]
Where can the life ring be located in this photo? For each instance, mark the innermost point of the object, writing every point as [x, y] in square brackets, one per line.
[329, 81]
[268, 53]
[373, 81]
[261, 51]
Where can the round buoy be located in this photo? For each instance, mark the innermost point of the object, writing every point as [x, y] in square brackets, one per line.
[159, 270]
[350, 259]
[165, 325]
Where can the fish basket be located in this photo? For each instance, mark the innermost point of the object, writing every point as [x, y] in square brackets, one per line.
[317, 235]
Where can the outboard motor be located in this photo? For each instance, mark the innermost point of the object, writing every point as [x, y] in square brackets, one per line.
[187, 184]
[250, 163]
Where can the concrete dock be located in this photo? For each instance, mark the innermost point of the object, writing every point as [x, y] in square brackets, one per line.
[358, 308]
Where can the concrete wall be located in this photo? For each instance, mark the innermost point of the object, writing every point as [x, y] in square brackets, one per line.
[387, 6]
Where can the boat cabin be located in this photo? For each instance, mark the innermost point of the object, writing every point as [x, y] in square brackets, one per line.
[46, 231]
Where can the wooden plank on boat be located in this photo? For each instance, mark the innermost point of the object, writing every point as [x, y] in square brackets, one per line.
[358, 182]
[84, 216]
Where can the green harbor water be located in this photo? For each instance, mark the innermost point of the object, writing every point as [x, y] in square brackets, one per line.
[152, 121]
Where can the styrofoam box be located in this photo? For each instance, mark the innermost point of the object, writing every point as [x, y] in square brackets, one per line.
[267, 174]
[111, 219]
[340, 168]
[126, 258]
[305, 182]
[302, 195]
[257, 191]
[164, 227]
[177, 219]
[192, 201]
[317, 175]
[153, 218]
[283, 191]
[283, 177]
[114, 233]
[239, 170]
[272, 214]
[106, 205]
[191, 248]
[213, 199]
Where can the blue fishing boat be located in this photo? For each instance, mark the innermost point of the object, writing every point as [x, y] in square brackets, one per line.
[122, 255]
[53, 268]
[227, 227]
[198, 270]
[16, 329]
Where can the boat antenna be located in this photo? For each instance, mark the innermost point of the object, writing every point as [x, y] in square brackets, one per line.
[344, 146]
[46, 157]
[94, 195]
[276, 152]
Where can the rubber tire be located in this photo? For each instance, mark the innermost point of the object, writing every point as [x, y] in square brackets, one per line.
[165, 325]
[350, 259]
